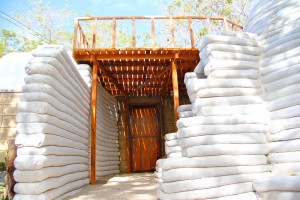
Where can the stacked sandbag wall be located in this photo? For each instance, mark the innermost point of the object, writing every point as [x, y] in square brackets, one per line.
[107, 154]
[52, 128]
[277, 26]
[224, 141]
[85, 72]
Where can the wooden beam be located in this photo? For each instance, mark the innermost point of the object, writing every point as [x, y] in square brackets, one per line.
[93, 123]
[191, 32]
[75, 41]
[127, 121]
[114, 32]
[172, 32]
[133, 33]
[94, 33]
[175, 89]
[151, 79]
[107, 73]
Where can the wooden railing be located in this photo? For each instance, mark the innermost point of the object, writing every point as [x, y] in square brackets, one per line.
[81, 41]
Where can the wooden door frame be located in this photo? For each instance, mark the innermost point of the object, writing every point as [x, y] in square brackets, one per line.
[132, 106]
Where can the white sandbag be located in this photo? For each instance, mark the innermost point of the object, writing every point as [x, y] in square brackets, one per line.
[231, 56]
[196, 173]
[285, 157]
[108, 163]
[39, 128]
[211, 182]
[83, 67]
[172, 149]
[54, 193]
[288, 90]
[157, 175]
[284, 146]
[282, 168]
[277, 182]
[282, 48]
[208, 193]
[284, 124]
[38, 118]
[229, 65]
[106, 158]
[290, 134]
[221, 129]
[281, 74]
[34, 162]
[225, 149]
[242, 138]
[190, 75]
[224, 92]
[281, 65]
[107, 168]
[185, 114]
[234, 110]
[243, 196]
[284, 102]
[234, 74]
[39, 107]
[48, 172]
[197, 84]
[286, 113]
[225, 101]
[280, 195]
[51, 150]
[42, 140]
[209, 161]
[175, 155]
[48, 184]
[100, 174]
[249, 50]
[183, 108]
[216, 120]
[171, 136]
[171, 143]
[208, 39]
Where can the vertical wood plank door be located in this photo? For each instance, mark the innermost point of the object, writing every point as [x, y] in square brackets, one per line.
[144, 139]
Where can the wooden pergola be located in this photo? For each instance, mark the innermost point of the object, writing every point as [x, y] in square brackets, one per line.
[136, 70]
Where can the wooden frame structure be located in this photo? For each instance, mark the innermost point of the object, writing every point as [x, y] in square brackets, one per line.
[138, 71]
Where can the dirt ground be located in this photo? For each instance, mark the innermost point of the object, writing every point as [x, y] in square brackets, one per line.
[135, 186]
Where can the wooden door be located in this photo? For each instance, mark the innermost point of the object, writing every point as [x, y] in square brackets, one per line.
[144, 138]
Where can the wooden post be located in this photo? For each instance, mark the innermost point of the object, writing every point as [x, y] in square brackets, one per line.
[93, 123]
[127, 121]
[175, 90]
[94, 33]
[10, 168]
[208, 25]
[172, 32]
[114, 33]
[225, 24]
[133, 33]
[75, 41]
[153, 33]
[191, 32]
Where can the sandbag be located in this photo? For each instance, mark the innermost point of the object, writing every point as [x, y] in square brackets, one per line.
[234, 110]
[286, 167]
[242, 138]
[286, 91]
[224, 92]
[198, 130]
[280, 195]
[285, 157]
[208, 193]
[185, 114]
[286, 113]
[290, 134]
[51, 150]
[172, 149]
[209, 161]
[284, 124]
[277, 183]
[284, 146]
[234, 74]
[171, 136]
[284, 102]
[183, 108]
[225, 149]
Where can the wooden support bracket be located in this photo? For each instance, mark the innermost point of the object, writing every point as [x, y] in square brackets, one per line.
[175, 88]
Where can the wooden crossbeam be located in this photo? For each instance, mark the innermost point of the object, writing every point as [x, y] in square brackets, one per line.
[151, 79]
[107, 74]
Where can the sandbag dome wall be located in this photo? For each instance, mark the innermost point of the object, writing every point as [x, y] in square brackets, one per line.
[52, 128]
[276, 23]
[107, 153]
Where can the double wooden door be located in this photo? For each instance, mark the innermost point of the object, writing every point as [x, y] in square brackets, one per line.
[145, 141]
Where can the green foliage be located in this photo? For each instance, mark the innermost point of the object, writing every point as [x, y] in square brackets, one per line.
[2, 166]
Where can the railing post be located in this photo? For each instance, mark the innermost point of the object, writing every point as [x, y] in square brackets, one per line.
[94, 33]
[114, 33]
[75, 42]
[225, 24]
[153, 33]
[172, 32]
[133, 33]
[208, 25]
[191, 32]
